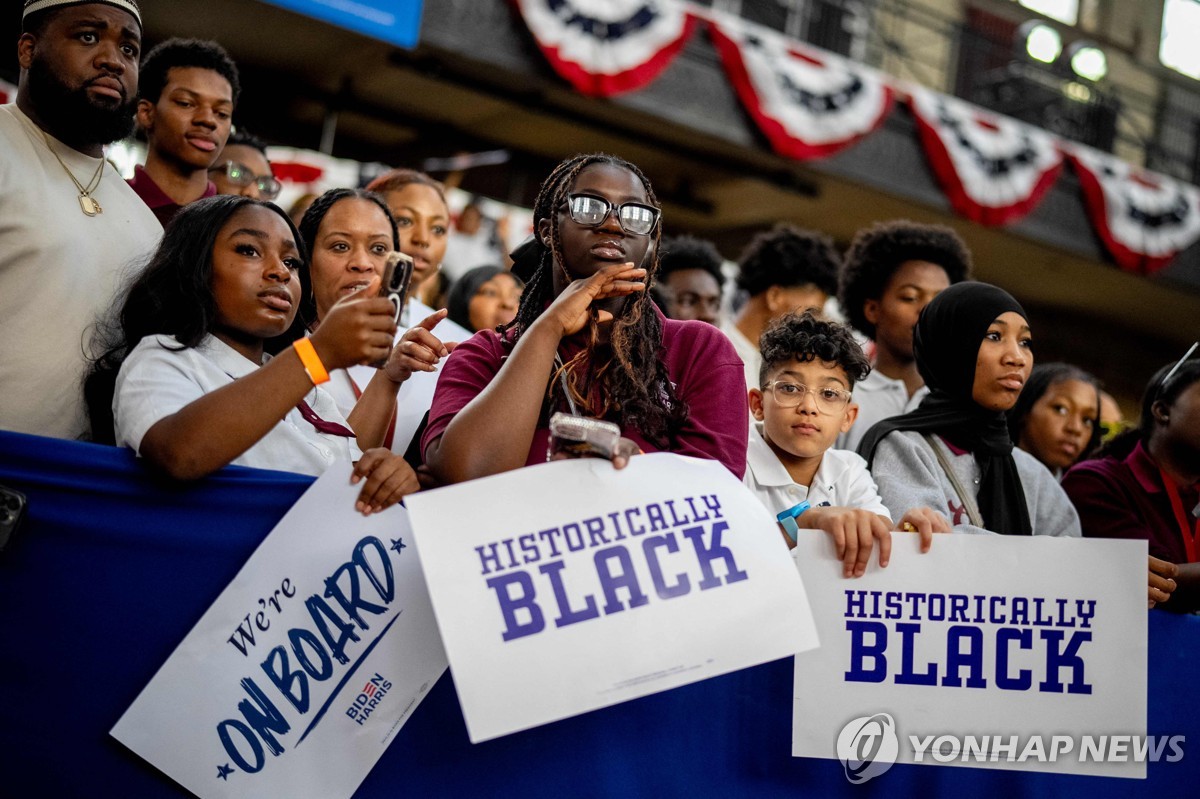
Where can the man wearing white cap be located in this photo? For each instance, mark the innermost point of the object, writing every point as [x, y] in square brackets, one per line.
[70, 227]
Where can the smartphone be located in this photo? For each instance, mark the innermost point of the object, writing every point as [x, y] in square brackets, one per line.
[397, 275]
[581, 436]
[12, 511]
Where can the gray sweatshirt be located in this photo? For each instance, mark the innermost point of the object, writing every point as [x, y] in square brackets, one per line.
[909, 476]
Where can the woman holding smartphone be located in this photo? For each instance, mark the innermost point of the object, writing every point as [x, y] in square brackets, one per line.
[189, 383]
[587, 340]
[350, 233]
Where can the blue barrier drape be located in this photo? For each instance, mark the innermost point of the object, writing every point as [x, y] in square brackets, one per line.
[113, 566]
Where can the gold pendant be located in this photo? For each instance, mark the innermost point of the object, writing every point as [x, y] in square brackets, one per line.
[89, 205]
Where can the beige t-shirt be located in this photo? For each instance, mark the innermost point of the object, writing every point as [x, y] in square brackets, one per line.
[59, 270]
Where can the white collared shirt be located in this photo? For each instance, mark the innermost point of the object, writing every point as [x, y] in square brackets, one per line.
[878, 397]
[747, 350]
[159, 378]
[842, 480]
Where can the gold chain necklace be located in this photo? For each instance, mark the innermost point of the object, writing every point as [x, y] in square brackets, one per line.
[87, 203]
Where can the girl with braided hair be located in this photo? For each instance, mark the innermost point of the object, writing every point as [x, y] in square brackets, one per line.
[587, 339]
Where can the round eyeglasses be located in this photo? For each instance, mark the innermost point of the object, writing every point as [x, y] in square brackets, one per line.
[240, 175]
[790, 395]
[591, 211]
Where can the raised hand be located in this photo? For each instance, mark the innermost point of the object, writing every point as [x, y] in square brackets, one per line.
[358, 329]
[418, 350]
[570, 311]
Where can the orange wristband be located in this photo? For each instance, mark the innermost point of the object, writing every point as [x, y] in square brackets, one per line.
[312, 362]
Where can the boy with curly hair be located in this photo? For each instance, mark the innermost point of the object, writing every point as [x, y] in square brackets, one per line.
[783, 270]
[186, 96]
[802, 402]
[690, 280]
[892, 270]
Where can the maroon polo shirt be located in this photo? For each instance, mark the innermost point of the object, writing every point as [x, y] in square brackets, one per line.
[1125, 498]
[699, 359]
[162, 206]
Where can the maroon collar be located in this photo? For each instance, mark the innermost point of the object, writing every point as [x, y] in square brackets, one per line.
[152, 195]
[1144, 470]
[954, 448]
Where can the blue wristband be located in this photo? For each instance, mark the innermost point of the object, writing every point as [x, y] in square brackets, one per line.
[787, 518]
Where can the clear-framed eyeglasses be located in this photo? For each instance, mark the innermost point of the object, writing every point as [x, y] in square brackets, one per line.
[789, 395]
[240, 175]
[591, 211]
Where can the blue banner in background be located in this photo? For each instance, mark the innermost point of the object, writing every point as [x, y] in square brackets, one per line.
[397, 22]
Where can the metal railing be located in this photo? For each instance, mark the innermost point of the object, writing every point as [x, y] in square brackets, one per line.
[976, 58]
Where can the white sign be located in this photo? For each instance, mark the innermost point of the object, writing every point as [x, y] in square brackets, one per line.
[570, 586]
[295, 680]
[990, 651]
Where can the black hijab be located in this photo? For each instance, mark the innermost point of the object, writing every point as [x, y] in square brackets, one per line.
[458, 301]
[946, 345]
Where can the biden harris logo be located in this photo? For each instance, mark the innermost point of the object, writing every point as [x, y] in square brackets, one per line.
[867, 747]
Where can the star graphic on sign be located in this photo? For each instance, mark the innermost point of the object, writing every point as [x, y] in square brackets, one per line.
[398, 544]
[224, 771]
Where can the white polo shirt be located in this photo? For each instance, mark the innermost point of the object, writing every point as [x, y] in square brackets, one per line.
[878, 397]
[747, 350]
[159, 379]
[842, 480]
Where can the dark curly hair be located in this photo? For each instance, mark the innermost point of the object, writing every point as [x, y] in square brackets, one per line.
[878, 251]
[1041, 379]
[310, 226]
[247, 139]
[172, 296]
[632, 381]
[788, 256]
[807, 338]
[183, 53]
[688, 252]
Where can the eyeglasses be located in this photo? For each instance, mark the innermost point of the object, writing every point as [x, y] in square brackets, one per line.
[591, 211]
[240, 175]
[790, 395]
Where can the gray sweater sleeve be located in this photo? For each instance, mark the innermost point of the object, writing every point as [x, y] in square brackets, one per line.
[909, 476]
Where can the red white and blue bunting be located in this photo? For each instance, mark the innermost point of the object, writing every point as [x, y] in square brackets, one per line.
[1142, 217]
[607, 47]
[993, 169]
[807, 102]
[811, 104]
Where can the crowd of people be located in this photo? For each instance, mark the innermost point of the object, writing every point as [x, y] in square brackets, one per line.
[185, 316]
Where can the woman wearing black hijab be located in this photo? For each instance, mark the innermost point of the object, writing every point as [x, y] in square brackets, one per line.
[974, 350]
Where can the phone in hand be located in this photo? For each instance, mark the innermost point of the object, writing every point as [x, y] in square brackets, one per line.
[397, 276]
[582, 436]
[12, 511]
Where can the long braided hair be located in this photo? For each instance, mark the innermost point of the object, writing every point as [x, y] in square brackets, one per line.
[627, 376]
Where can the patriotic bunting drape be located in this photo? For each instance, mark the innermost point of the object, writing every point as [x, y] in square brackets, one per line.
[993, 169]
[811, 104]
[807, 102]
[607, 47]
[1142, 217]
